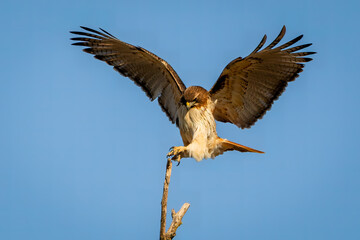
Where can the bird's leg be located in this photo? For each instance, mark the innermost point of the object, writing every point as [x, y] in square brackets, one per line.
[177, 153]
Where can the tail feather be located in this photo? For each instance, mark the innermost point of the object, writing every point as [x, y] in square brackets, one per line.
[227, 145]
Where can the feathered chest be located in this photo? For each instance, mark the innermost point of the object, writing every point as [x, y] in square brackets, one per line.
[196, 120]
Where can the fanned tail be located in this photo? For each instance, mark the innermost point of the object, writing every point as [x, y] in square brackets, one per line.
[227, 145]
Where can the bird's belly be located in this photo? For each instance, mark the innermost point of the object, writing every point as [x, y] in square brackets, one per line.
[198, 131]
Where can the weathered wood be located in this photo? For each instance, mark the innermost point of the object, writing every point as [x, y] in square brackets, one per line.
[176, 216]
[176, 220]
[164, 200]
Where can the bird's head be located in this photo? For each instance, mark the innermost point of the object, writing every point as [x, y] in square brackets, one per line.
[194, 96]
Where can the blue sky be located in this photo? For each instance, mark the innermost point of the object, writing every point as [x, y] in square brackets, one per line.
[82, 150]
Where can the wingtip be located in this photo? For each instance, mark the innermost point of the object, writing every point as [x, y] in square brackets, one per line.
[88, 50]
[87, 29]
[107, 32]
[77, 43]
[307, 59]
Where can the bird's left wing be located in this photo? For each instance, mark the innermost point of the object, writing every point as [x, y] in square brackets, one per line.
[154, 75]
[247, 87]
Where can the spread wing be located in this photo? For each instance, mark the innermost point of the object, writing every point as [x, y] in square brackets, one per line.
[154, 75]
[247, 87]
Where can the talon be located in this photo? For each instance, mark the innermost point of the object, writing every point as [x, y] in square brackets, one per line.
[171, 153]
[176, 153]
[176, 159]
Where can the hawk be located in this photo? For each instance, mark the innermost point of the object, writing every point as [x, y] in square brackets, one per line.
[243, 93]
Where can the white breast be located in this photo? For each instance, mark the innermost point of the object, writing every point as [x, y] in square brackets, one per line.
[198, 129]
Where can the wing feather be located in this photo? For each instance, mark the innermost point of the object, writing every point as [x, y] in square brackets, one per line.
[154, 75]
[262, 42]
[247, 87]
[278, 38]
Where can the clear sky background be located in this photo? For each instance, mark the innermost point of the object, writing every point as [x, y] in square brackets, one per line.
[82, 149]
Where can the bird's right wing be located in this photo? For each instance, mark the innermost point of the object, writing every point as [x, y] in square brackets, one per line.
[154, 75]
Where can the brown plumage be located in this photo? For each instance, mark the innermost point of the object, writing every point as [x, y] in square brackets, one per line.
[247, 87]
[244, 91]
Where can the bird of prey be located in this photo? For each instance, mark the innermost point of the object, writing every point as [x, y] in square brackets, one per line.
[243, 93]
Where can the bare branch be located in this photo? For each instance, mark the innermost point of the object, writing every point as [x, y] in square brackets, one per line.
[164, 200]
[176, 216]
[176, 220]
